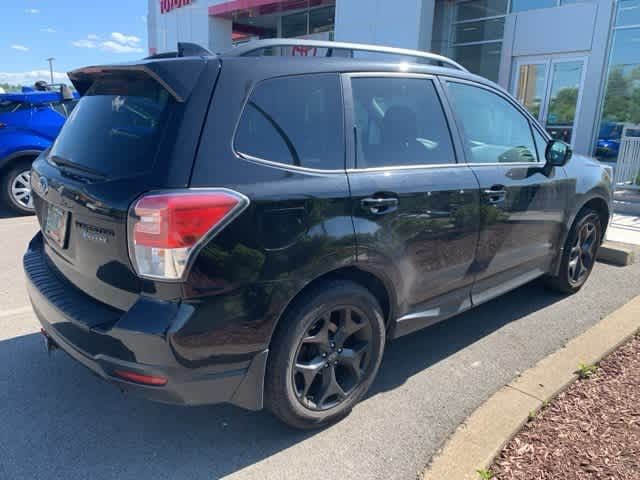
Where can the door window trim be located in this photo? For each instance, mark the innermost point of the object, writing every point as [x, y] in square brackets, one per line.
[533, 123]
[350, 126]
[280, 165]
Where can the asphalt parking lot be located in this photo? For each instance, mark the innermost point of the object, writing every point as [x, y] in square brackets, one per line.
[58, 421]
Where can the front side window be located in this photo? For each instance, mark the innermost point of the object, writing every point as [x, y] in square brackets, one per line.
[399, 122]
[493, 130]
[295, 121]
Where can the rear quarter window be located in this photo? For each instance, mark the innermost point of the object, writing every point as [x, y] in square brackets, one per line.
[294, 121]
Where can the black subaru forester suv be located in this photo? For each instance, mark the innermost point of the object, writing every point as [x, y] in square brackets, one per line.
[252, 227]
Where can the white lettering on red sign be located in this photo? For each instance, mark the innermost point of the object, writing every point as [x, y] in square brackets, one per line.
[168, 5]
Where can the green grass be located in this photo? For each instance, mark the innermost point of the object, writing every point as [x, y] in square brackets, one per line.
[485, 474]
[586, 371]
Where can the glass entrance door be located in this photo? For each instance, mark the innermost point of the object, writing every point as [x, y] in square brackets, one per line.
[551, 90]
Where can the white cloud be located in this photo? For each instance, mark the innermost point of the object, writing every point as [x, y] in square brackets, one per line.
[123, 39]
[115, 47]
[29, 78]
[84, 43]
[48, 30]
[118, 43]
[20, 48]
[31, 10]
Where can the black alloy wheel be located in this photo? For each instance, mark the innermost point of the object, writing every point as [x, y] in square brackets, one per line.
[332, 358]
[325, 354]
[583, 253]
[579, 254]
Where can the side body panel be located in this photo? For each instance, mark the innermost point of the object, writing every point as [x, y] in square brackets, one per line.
[523, 204]
[297, 227]
[427, 246]
[521, 233]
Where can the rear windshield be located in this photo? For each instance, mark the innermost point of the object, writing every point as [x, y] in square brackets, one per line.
[116, 127]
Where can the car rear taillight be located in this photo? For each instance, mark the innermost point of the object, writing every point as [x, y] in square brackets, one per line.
[166, 229]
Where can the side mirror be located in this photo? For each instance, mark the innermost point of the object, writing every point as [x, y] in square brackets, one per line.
[558, 153]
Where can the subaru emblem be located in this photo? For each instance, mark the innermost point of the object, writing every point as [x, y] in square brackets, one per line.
[43, 185]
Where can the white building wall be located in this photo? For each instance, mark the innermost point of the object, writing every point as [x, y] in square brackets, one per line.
[382, 22]
[185, 24]
[399, 23]
[581, 29]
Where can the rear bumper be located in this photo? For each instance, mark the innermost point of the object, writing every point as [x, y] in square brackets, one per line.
[137, 341]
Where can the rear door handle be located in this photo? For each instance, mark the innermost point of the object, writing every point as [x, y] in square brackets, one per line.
[380, 206]
[496, 194]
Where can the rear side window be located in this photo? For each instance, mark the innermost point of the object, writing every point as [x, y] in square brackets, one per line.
[115, 129]
[294, 121]
[399, 122]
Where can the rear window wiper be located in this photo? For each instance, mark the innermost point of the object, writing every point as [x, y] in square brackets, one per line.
[87, 171]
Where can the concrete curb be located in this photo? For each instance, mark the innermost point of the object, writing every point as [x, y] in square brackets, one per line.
[475, 443]
[616, 253]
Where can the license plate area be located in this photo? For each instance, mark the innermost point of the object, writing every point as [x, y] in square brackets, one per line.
[55, 225]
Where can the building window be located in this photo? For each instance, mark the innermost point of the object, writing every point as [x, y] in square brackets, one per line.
[628, 13]
[288, 19]
[473, 9]
[474, 36]
[482, 58]
[621, 103]
[523, 5]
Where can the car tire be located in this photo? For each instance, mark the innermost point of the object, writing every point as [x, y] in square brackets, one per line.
[324, 355]
[17, 177]
[579, 254]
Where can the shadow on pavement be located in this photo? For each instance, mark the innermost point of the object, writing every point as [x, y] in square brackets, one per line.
[57, 421]
[6, 213]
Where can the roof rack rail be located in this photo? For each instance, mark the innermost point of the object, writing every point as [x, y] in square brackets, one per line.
[254, 47]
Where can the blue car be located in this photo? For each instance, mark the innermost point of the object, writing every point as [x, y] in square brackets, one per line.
[608, 145]
[29, 123]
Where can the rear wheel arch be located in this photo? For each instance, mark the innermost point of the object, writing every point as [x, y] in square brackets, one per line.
[380, 288]
[13, 159]
[601, 207]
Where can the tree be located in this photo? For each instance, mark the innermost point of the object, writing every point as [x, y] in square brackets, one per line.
[563, 106]
[10, 88]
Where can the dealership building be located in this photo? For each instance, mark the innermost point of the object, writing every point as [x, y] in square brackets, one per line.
[574, 64]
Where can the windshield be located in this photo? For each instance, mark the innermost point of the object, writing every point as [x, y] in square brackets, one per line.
[116, 127]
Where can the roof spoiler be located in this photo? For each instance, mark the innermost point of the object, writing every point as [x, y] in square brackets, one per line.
[177, 76]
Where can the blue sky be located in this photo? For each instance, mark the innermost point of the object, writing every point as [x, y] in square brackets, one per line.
[75, 32]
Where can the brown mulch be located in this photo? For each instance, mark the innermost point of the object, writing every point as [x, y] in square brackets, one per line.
[589, 431]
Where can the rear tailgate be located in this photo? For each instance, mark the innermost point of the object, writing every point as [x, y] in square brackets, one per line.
[135, 130]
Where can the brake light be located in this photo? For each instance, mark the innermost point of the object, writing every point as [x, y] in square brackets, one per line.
[166, 229]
